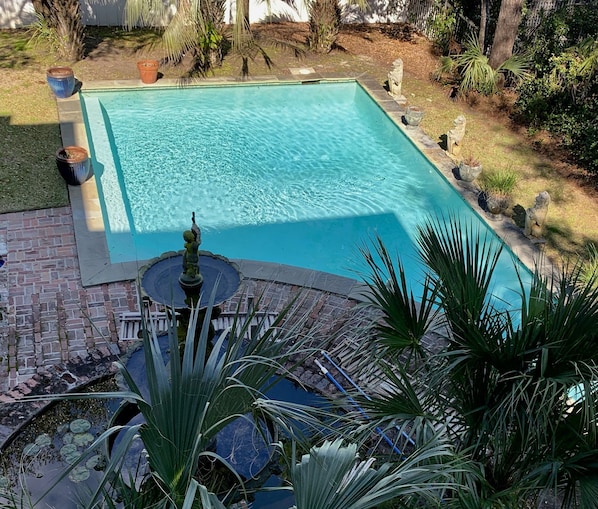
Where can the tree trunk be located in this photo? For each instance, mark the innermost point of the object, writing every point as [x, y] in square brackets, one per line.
[483, 23]
[507, 26]
[324, 24]
[64, 17]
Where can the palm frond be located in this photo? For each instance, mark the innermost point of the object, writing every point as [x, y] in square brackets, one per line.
[463, 261]
[332, 477]
[406, 320]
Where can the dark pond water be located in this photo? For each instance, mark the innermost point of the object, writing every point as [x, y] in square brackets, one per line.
[40, 454]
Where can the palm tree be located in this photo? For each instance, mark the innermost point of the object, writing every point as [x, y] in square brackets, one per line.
[472, 70]
[515, 389]
[190, 399]
[197, 28]
[325, 23]
[63, 19]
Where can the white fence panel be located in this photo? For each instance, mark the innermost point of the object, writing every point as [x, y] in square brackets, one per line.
[16, 13]
[102, 14]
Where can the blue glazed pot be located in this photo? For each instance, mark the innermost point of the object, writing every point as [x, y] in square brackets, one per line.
[61, 80]
[73, 165]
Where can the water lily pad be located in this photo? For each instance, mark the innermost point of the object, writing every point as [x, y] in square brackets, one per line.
[67, 449]
[95, 462]
[79, 474]
[63, 428]
[71, 457]
[80, 426]
[31, 449]
[68, 438]
[82, 439]
[43, 440]
[4, 483]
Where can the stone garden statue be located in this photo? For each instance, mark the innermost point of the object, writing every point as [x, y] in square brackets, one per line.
[535, 216]
[191, 276]
[455, 136]
[395, 79]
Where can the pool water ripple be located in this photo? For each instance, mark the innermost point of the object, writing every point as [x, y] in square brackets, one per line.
[283, 173]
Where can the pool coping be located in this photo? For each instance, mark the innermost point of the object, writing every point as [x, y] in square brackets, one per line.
[92, 248]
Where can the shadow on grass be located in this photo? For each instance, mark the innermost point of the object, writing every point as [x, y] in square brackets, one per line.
[107, 41]
[561, 238]
[28, 173]
[14, 52]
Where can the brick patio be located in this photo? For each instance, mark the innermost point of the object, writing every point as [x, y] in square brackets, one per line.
[55, 334]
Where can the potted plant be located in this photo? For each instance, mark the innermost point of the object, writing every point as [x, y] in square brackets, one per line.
[469, 169]
[73, 164]
[414, 115]
[61, 80]
[498, 187]
[148, 70]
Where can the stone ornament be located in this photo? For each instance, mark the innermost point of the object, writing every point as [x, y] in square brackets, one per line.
[469, 170]
[535, 216]
[455, 136]
[395, 79]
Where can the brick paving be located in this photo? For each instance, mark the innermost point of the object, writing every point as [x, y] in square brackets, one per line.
[55, 334]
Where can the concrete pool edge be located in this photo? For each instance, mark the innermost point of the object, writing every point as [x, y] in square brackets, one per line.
[92, 249]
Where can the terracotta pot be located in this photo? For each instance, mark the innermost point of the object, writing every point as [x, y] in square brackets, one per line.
[148, 70]
[61, 80]
[73, 164]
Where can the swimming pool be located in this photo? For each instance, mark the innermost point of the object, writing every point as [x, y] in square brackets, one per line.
[296, 174]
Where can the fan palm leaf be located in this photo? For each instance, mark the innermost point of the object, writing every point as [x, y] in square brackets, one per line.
[332, 477]
[406, 321]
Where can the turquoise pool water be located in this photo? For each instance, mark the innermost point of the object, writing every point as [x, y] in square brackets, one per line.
[296, 174]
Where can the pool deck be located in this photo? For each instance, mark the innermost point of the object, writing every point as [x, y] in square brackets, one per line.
[61, 300]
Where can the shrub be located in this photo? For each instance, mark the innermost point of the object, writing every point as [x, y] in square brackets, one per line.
[562, 96]
[472, 72]
[499, 181]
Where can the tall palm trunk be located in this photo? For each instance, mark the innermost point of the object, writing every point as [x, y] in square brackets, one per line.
[64, 17]
[324, 24]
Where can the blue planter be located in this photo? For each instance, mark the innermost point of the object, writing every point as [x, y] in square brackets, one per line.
[73, 165]
[61, 80]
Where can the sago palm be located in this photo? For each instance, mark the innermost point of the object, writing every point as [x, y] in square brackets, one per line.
[515, 389]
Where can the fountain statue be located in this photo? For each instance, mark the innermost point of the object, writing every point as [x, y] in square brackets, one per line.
[218, 275]
[191, 278]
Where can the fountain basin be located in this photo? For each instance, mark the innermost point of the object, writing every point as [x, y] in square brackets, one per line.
[160, 279]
